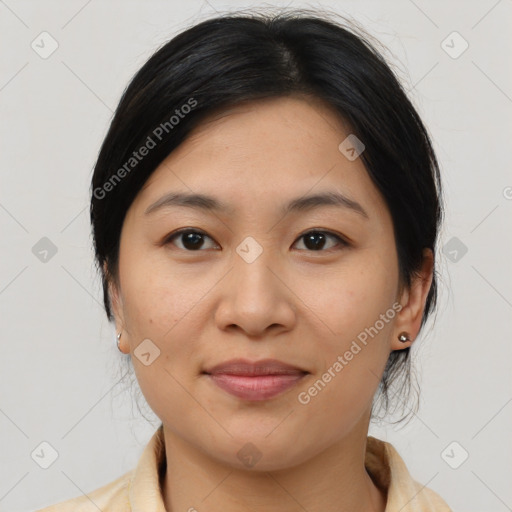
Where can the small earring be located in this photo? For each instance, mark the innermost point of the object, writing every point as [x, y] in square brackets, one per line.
[118, 338]
[404, 337]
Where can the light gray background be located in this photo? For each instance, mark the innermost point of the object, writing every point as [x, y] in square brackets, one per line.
[59, 374]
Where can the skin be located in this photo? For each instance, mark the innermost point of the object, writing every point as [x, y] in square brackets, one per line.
[293, 303]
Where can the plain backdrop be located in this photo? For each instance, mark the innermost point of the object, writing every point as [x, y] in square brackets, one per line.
[60, 373]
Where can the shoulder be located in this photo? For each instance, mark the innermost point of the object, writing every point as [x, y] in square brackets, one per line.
[112, 497]
[390, 473]
[138, 489]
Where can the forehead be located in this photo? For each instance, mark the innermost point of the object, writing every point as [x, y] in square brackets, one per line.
[263, 152]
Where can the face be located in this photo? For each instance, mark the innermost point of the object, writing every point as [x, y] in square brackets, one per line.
[315, 287]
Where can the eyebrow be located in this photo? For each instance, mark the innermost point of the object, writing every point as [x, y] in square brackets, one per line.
[300, 204]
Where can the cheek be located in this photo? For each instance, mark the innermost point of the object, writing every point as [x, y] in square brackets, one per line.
[168, 304]
[160, 304]
[357, 307]
[159, 295]
[353, 299]
[352, 360]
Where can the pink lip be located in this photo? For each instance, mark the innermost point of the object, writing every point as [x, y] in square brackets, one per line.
[255, 381]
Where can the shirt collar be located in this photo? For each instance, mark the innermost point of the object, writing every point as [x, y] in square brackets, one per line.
[383, 463]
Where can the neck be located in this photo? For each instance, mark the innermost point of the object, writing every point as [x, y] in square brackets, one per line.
[333, 480]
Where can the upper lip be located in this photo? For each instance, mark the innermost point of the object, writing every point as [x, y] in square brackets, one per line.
[255, 368]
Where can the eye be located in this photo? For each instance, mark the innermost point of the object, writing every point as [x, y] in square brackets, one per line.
[192, 240]
[315, 240]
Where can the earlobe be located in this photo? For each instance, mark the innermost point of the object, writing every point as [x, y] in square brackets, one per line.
[413, 300]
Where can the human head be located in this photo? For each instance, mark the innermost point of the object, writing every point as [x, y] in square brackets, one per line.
[228, 61]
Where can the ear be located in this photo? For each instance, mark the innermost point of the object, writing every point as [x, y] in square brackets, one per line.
[116, 301]
[413, 301]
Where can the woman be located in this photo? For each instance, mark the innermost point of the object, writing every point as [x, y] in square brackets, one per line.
[265, 211]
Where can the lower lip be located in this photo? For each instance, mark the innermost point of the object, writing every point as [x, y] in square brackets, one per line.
[256, 388]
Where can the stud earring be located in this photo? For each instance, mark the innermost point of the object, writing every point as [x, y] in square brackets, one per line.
[118, 338]
[404, 337]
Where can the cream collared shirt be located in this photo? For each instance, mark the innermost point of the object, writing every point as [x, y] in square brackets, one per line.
[139, 489]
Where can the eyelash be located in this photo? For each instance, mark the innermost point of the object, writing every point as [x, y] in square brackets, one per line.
[341, 240]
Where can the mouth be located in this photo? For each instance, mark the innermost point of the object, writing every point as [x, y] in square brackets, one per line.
[255, 381]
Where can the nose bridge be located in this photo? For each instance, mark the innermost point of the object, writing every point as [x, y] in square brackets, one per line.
[252, 262]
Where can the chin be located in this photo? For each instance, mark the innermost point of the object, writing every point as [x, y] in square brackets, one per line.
[260, 452]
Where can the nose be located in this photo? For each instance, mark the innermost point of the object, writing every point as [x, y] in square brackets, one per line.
[255, 298]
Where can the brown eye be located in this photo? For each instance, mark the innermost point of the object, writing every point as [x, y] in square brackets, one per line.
[191, 240]
[317, 240]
